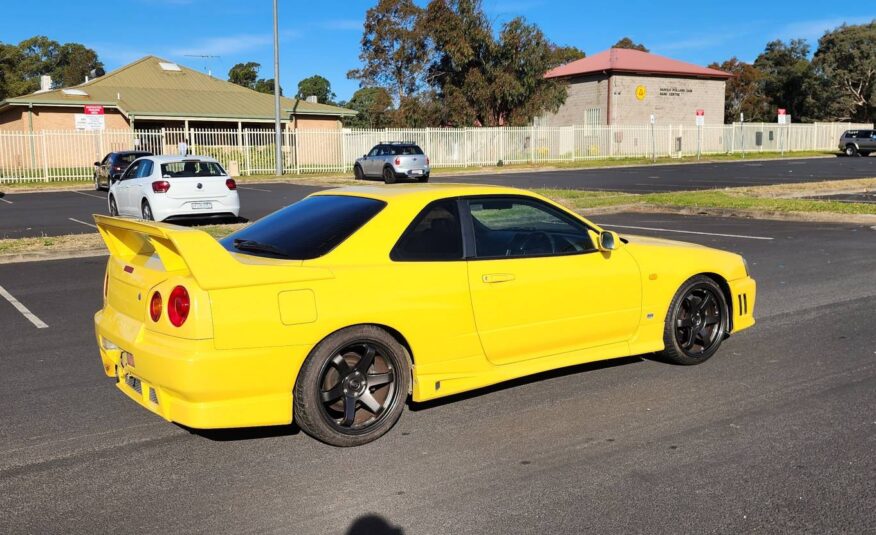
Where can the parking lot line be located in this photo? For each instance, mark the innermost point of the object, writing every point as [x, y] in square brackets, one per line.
[693, 232]
[23, 309]
[252, 188]
[7, 202]
[81, 222]
[90, 195]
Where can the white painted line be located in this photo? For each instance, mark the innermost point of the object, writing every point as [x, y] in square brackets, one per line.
[255, 189]
[103, 198]
[7, 202]
[82, 222]
[693, 232]
[23, 309]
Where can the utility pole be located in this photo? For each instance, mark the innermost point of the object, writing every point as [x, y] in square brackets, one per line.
[278, 136]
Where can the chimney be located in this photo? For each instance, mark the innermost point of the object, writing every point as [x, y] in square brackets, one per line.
[312, 98]
[45, 83]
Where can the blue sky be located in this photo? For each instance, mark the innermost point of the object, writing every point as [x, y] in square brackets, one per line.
[323, 37]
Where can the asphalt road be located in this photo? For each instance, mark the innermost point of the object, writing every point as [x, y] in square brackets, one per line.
[49, 214]
[646, 179]
[773, 434]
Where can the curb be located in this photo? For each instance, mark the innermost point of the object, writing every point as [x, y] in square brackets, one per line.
[38, 256]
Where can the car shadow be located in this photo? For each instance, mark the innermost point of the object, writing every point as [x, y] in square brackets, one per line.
[238, 434]
[514, 383]
[373, 525]
[201, 221]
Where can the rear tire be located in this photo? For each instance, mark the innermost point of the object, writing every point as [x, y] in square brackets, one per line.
[851, 150]
[696, 323]
[352, 387]
[357, 173]
[114, 210]
[388, 175]
[147, 211]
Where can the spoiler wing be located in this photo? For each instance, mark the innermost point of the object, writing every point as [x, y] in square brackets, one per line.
[194, 252]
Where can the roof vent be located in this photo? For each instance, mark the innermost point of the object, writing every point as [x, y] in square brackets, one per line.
[165, 66]
[312, 99]
[74, 92]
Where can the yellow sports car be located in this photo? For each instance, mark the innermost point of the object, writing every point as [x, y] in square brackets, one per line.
[333, 310]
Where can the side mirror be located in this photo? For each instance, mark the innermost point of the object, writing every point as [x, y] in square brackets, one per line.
[97, 164]
[609, 241]
[365, 156]
[114, 179]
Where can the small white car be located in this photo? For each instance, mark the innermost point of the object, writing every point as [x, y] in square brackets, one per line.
[171, 188]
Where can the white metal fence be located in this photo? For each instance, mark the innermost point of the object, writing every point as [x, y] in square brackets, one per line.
[70, 155]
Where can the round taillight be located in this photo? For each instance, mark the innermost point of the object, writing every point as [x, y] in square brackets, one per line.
[178, 306]
[155, 307]
[231, 184]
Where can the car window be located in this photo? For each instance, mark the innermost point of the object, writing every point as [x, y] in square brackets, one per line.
[515, 227]
[191, 168]
[127, 158]
[310, 228]
[105, 159]
[434, 235]
[864, 134]
[375, 151]
[145, 169]
[132, 170]
[408, 150]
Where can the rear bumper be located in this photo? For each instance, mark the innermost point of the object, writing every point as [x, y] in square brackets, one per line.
[743, 293]
[192, 383]
[412, 172]
[175, 209]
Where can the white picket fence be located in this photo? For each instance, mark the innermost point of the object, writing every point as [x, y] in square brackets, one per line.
[70, 155]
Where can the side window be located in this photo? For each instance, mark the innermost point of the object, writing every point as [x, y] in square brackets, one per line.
[131, 171]
[375, 151]
[435, 235]
[515, 227]
[105, 160]
[145, 169]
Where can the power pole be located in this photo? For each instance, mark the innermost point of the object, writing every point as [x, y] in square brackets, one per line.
[278, 136]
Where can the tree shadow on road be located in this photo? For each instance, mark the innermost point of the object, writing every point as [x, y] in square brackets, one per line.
[373, 525]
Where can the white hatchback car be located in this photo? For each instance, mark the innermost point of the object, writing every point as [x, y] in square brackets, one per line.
[170, 188]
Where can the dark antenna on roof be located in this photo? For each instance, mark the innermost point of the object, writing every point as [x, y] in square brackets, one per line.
[207, 59]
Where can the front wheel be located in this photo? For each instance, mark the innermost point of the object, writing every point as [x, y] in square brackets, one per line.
[358, 174]
[352, 387]
[114, 210]
[97, 186]
[851, 150]
[696, 323]
[388, 175]
[147, 211]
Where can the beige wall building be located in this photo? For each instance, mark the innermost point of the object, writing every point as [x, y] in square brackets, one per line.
[627, 87]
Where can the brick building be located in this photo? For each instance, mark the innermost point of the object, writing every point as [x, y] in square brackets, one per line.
[152, 93]
[625, 87]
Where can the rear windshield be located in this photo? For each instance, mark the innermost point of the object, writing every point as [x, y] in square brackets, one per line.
[307, 229]
[401, 150]
[191, 169]
[130, 157]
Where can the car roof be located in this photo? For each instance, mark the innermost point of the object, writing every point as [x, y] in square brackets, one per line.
[423, 192]
[122, 152]
[176, 158]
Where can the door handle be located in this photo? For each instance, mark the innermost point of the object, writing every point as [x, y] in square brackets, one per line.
[492, 278]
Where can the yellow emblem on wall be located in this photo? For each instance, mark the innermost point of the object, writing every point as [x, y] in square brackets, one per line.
[640, 92]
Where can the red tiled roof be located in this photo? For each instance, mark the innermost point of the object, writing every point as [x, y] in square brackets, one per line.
[632, 61]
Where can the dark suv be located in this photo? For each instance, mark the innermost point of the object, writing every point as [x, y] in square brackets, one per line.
[113, 165]
[855, 142]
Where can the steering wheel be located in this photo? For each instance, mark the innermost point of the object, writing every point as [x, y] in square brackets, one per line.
[531, 240]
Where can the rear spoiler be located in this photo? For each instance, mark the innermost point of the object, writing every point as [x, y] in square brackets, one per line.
[188, 251]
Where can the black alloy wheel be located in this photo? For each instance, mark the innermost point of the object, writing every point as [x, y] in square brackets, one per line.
[388, 175]
[697, 322]
[357, 172]
[114, 210]
[352, 387]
